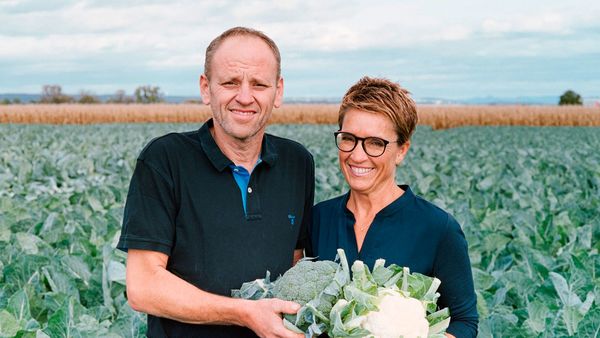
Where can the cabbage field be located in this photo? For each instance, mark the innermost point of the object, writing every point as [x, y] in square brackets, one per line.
[528, 199]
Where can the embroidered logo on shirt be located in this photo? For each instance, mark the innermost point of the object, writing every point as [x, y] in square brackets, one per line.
[292, 218]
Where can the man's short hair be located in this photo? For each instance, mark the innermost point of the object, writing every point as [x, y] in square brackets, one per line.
[239, 31]
[382, 96]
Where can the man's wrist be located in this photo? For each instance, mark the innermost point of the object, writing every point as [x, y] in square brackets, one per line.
[239, 311]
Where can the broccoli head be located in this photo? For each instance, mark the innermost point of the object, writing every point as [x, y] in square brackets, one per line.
[304, 281]
[313, 285]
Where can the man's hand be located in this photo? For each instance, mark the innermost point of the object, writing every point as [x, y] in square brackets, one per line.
[264, 318]
[298, 254]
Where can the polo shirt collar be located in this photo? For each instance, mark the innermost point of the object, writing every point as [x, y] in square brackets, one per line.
[220, 161]
[268, 152]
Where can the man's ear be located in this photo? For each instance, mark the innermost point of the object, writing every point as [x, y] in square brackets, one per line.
[279, 93]
[204, 89]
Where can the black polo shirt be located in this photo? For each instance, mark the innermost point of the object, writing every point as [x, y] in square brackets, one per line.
[184, 201]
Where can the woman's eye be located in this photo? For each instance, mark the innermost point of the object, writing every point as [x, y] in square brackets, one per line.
[376, 143]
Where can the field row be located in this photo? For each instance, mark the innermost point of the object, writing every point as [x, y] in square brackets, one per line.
[438, 117]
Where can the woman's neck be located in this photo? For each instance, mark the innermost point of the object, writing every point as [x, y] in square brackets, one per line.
[370, 203]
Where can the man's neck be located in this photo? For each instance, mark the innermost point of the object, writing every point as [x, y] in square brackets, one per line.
[243, 153]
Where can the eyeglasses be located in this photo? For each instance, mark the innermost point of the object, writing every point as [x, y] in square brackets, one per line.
[373, 146]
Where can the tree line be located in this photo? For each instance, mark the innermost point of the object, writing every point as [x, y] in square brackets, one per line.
[53, 94]
[152, 94]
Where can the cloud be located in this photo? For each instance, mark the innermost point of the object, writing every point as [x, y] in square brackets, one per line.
[32, 6]
[186, 26]
[325, 44]
[540, 23]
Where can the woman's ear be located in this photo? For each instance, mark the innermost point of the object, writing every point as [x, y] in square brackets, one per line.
[402, 151]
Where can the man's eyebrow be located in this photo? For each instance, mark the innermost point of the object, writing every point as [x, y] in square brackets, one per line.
[264, 80]
[230, 77]
[260, 81]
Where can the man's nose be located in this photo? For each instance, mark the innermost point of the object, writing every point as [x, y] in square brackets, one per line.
[244, 95]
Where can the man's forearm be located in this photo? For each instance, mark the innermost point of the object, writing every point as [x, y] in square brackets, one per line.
[166, 295]
[154, 290]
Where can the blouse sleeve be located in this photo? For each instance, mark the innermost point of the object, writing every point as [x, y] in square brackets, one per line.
[453, 267]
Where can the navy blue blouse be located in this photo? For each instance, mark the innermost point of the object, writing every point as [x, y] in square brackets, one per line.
[409, 232]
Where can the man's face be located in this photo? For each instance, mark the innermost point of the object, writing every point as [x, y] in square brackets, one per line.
[243, 88]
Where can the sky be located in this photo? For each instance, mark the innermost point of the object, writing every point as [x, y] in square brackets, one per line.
[443, 49]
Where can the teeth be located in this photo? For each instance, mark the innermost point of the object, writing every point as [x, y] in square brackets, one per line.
[360, 171]
[242, 112]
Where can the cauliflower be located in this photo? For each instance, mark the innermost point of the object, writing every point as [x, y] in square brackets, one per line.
[398, 316]
[343, 302]
[389, 302]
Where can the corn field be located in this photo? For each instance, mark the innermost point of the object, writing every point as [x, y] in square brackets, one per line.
[438, 117]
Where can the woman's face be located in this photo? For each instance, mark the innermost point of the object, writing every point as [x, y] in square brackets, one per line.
[367, 174]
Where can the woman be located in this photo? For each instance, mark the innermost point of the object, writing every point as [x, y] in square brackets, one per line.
[379, 219]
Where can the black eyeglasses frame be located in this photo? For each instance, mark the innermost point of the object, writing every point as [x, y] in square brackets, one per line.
[362, 140]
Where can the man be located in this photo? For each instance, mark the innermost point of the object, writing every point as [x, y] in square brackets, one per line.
[210, 209]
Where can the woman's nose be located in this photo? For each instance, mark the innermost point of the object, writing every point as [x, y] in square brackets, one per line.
[359, 154]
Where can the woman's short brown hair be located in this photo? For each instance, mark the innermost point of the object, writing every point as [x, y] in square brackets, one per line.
[382, 96]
